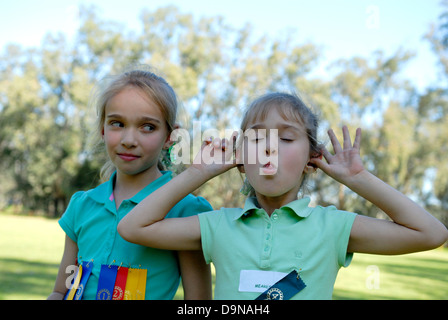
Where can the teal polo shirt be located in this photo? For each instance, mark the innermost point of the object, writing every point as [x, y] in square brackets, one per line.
[251, 250]
[91, 221]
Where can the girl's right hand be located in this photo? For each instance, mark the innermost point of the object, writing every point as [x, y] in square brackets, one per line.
[216, 156]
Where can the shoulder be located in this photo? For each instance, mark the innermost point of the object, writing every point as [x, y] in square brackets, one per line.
[331, 213]
[332, 222]
[227, 216]
[189, 206]
[336, 226]
[83, 199]
[76, 201]
[70, 217]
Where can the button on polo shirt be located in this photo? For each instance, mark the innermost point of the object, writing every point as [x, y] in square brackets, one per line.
[294, 237]
[91, 221]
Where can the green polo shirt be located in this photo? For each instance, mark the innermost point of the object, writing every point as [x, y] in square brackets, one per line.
[91, 221]
[250, 250]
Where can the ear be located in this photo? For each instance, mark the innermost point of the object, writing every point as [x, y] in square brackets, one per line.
[168, 142]
[239, 159]
[311, 167]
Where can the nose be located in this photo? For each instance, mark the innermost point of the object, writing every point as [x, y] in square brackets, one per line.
[128, 138]
[272, 144]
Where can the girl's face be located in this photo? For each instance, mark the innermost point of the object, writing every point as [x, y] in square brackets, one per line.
[279, 163]
[135, 132]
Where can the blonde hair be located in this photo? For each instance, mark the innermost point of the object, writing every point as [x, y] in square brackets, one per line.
[155, 87]
[290, 107]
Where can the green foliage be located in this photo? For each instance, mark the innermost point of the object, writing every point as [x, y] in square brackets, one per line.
[216, 70]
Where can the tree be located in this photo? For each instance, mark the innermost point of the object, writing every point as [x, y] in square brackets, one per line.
[216, 71]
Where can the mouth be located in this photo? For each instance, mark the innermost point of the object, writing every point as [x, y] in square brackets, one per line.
[268, 169]
[127, 156]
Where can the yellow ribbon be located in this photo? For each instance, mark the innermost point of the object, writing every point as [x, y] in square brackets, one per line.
[75, 285]
[135, 285]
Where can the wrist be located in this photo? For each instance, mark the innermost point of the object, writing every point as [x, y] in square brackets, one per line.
[197, 175]
[55, 296]
[359, 179]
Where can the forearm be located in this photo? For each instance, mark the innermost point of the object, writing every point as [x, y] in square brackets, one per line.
[401, 209]
[413, 228]
[157, 205]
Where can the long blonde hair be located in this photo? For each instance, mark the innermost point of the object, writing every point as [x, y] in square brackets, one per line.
[155, 87]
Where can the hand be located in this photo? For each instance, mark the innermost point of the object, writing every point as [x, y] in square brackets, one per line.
[216, 155]
[346, 162]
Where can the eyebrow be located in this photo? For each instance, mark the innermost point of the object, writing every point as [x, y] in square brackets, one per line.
[283, 126]
[144, 118]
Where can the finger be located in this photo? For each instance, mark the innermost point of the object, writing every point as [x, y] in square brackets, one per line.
[357, 143]
[347, 139]
[207, 141]
[206, 154]
[224, 144]
[320, 163]
[317, 163]
[334, 141]
[230, 155]
[217, 143]
[234, 139]
[327, 155]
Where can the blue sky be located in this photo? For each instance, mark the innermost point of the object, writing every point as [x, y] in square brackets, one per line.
[343, 28]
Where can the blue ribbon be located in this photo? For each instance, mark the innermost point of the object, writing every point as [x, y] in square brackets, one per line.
[285, 288]
[86, 271]
[106, 282]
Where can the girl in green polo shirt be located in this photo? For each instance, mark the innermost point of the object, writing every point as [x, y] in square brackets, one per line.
[277, 247]
[136, 115]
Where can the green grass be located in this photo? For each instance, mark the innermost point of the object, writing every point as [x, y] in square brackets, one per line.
[417, 276]
[31, 249]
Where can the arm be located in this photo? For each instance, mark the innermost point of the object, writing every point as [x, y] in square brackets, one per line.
[145, 224]
[69, 258]
[196, 275]
[412, 228]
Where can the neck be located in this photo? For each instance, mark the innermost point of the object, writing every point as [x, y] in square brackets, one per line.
[269, 204]
[127, 186]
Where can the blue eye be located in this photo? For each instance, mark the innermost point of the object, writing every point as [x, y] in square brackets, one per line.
[148, 127]
[116, 124]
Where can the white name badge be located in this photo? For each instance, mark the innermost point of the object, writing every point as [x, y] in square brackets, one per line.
[258, 281]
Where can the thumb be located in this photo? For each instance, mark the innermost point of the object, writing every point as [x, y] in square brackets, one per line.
[318, 162]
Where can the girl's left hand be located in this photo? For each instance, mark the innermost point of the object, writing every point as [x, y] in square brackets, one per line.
[346, 162]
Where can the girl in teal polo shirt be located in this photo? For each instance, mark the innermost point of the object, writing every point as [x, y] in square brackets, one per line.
[136, 115]
[277, 247]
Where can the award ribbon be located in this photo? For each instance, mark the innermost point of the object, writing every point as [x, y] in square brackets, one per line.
[74, 285]
[106, 282]
[141, 288]
[285, 288]
[136, 284]
[86, 271]
[120, 283]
